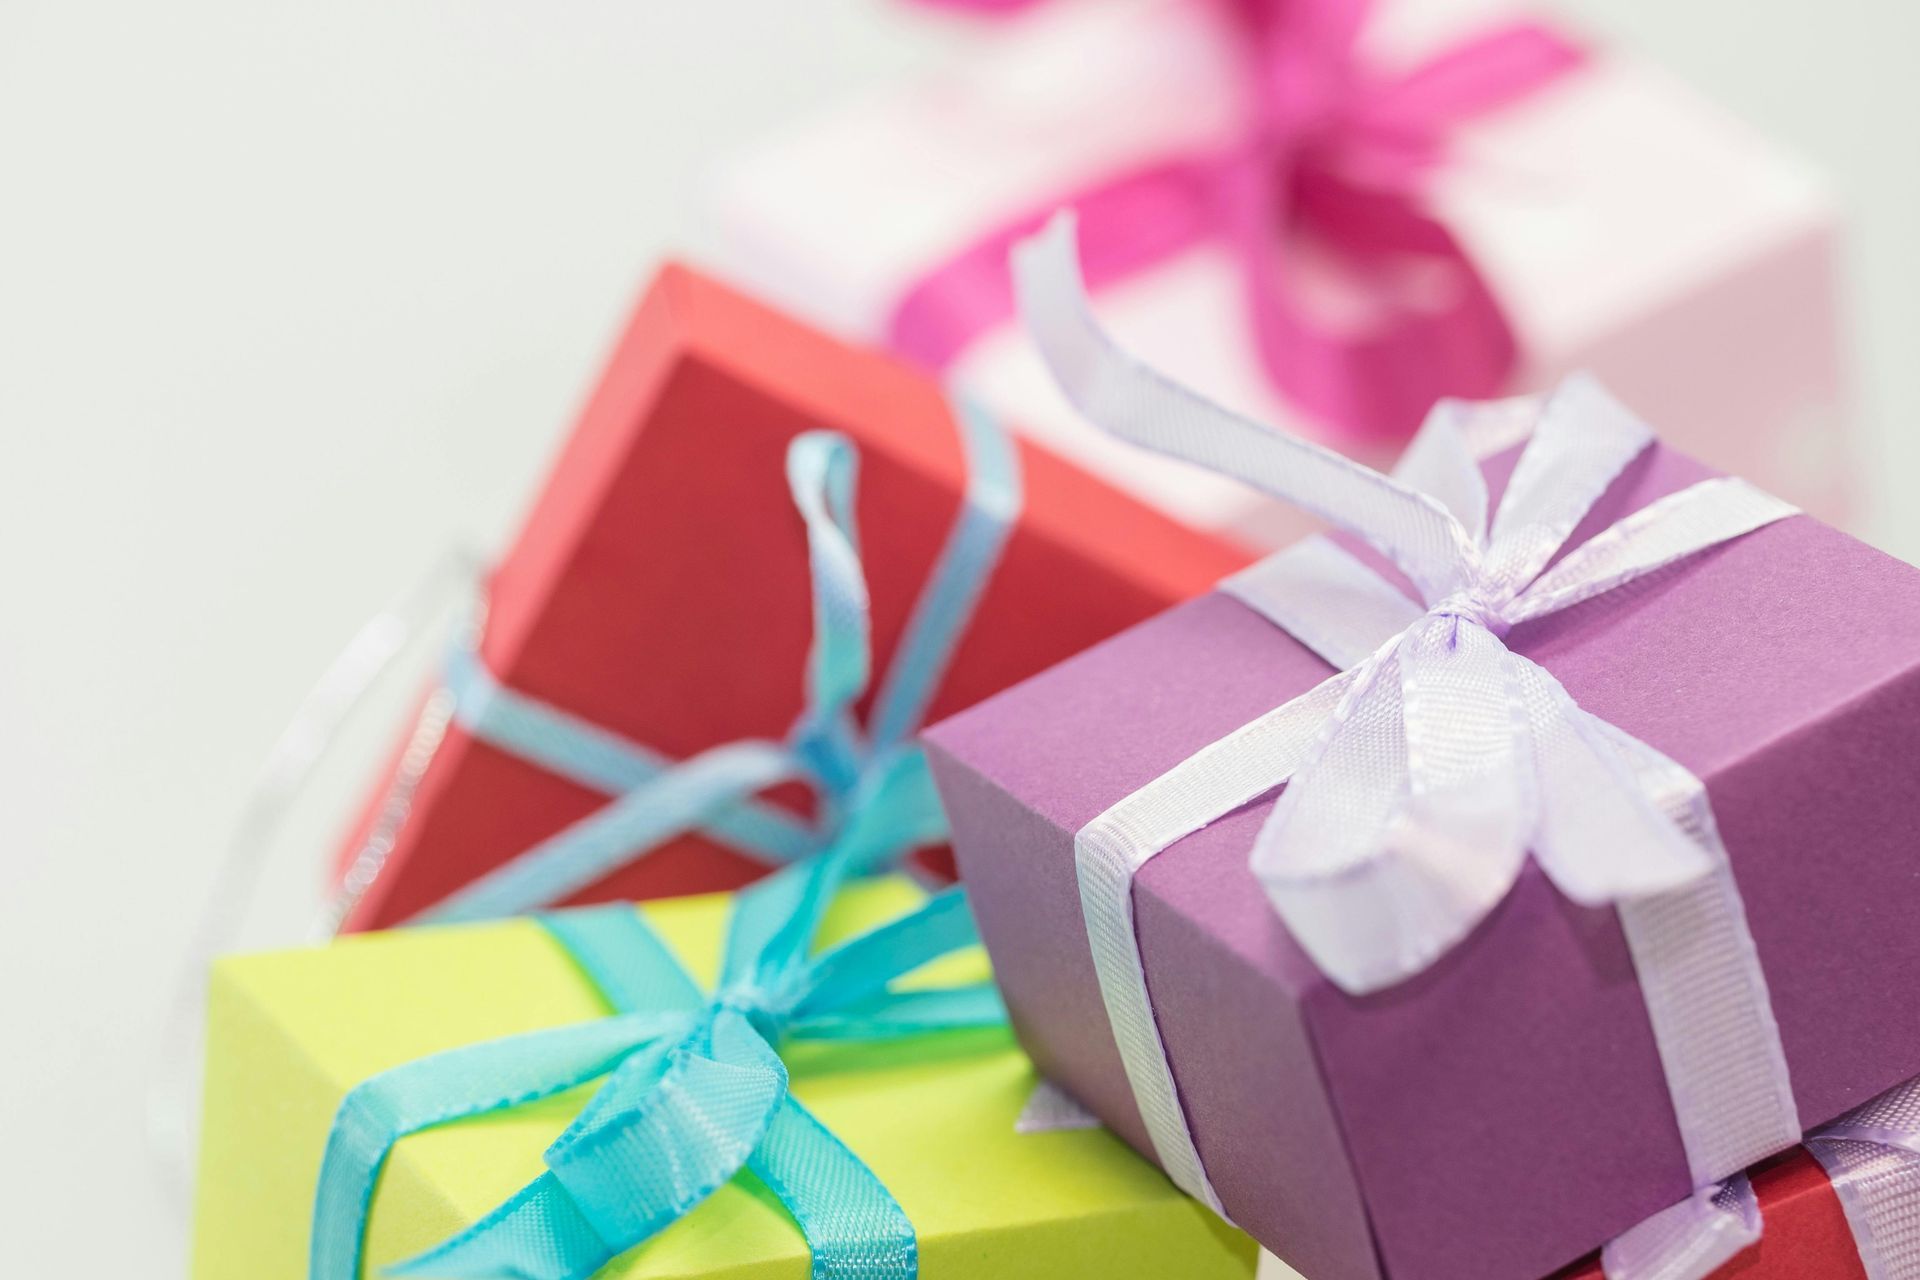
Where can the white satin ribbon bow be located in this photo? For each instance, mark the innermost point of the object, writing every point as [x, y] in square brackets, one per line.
[1421, 775]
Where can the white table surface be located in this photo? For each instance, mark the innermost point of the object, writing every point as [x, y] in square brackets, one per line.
[294, 295]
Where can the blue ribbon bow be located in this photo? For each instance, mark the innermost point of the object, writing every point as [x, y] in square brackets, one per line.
[693, 1091]
[873, 785]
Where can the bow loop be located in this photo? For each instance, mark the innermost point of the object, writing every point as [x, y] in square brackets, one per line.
[1440, 462]
[1409, 822]
[821, 467]
[1581, 442]
[1602, 836]
[868, 965]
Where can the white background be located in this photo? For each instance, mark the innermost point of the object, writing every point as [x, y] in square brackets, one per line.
[292, 296]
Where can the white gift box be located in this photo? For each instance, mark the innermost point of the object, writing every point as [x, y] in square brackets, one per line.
[1628, 227]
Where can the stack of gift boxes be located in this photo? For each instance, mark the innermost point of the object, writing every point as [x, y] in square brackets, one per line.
[1512, 880]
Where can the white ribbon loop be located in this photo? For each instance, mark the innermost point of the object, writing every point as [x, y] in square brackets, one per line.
[1601, 839]
[1582, 441]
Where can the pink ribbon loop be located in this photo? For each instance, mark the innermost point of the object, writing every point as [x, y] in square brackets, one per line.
[1364, 307]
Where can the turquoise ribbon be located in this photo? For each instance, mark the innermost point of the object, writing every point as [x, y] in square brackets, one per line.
[873, 782]
[693, 1090]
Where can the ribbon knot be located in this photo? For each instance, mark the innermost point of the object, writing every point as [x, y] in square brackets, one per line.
[769, 1008]
[1474, 605]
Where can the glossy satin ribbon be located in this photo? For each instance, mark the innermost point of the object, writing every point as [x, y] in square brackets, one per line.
[692, 1091]
[1422, 775]
[1872, 1157]
[872, 783]
[1329, 166]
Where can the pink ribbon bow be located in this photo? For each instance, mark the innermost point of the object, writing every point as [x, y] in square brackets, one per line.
[1323, 185]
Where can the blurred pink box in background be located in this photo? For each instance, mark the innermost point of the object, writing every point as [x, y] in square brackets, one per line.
[1625, 225]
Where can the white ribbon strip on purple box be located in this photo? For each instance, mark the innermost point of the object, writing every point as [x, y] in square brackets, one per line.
[1424, 773]
[1872, 1157]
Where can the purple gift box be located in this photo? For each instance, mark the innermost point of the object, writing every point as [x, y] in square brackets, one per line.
[1504, 1112]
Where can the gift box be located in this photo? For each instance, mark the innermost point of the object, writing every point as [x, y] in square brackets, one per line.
[1623, 224]
[1511, 1096]
[655, 603]
[934, 1117]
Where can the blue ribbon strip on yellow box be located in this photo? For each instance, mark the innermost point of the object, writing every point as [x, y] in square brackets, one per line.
[693, 1090]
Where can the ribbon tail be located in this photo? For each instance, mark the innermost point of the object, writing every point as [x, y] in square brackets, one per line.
[894, 1014]
[867, 964]
[1690, 1240]
[958, 579]
[1429, 325]
[821, 467]
[1137, 404]
[852, 1223]
[1408, 824]
[1582, 440]
[1440, 460]
[820, 473]
[1602, 838]
[447, 1086]
[1680, 525]
[1699, 972]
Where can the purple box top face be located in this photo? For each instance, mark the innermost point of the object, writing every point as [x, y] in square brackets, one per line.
[1504, 1112]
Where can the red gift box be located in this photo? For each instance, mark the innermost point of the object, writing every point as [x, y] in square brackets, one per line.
[1806, 1235]
[659, 587]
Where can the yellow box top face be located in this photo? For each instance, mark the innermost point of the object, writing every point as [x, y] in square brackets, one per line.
[290, 1032]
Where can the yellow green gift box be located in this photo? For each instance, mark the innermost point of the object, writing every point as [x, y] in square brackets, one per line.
[930, 1115]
